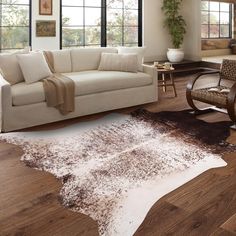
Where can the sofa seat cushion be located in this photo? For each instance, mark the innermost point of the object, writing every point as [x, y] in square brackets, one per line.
[89, 82]
[86, 82]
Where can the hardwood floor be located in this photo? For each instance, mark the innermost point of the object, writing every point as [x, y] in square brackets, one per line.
[204, 206]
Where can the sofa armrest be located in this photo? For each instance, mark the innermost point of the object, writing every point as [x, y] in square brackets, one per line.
[152, 71]
[5, 96]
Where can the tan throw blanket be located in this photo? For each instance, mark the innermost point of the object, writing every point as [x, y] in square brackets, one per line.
[59, 89]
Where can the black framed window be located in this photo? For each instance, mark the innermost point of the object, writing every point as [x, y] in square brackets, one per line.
[15, 24]
[216, 19]
[103, 23]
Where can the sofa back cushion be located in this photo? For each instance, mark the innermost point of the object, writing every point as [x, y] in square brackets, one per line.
[88, 58]
[10, 68]
[119, 62]
[138, 50]
[34, 67]
[62, 61]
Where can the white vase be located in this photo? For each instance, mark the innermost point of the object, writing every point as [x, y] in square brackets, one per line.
[175, 54]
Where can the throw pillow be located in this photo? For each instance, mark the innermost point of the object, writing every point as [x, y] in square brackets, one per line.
[10, 68]
[119, 62]
[138, 50]
[34, 67]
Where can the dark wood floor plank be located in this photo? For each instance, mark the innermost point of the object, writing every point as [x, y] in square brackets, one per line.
[212, 185]
[230, 224]
[209, 216]
[221, 232]
[157, 224]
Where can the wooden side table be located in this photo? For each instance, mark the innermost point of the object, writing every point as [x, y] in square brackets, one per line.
[163, 83]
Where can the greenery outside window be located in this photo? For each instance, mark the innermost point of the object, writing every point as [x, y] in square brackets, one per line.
[86, 23]
[216, 20]
[14, 24]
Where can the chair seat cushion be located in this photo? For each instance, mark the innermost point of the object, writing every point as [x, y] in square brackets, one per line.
[87, 82]
[213, 98]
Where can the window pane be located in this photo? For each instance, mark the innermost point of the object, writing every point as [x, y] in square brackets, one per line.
[93, 3]
[16, 2]
[224, 18]
[214, 18]
[204, 31]
[72, 36]
[214, 31]
[224, 31]
[92, 16]
[114, 17]
[224, 6]
[131, 34]
[131, 4]
[205, 17]
[72, 3]
[15, 37]
[214, 6]
[87, 14]
[114, 3]
[114, 36]
[15, 15]
[204, 5]
[72, 16]
[92, 35]
[131, 17]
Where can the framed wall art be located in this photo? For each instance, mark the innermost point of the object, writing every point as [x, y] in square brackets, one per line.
[45, 7]
[45, 28]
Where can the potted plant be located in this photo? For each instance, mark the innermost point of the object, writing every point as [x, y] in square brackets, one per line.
[176, 25]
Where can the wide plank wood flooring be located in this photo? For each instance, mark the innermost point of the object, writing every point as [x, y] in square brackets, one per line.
[204, 206]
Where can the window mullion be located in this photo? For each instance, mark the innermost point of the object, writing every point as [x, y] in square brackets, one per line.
[103, 23]
[140, 26]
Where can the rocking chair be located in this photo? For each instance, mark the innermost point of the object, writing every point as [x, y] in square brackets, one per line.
[217, 88]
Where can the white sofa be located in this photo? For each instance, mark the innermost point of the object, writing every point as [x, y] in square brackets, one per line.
[23, 105]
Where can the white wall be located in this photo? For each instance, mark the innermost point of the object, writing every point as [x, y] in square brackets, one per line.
[192, 40]
[155, 37]
[45, 43]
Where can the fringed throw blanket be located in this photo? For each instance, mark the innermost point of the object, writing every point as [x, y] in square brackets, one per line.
[59, 89]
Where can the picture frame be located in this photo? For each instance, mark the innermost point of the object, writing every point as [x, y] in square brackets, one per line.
[45, 7]
[45, 28]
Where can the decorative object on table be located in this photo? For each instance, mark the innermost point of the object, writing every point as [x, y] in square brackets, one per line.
[45, 28]
[45, 7]
[217, 88]
[168, 65]
[164, 66]
[121, 164]
[176, 25]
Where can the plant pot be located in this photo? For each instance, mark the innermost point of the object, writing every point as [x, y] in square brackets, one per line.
[175, 54]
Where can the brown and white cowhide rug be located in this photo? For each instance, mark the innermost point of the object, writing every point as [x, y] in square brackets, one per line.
[114, 169]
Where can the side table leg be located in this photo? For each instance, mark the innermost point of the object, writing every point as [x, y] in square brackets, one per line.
[164, 82]
[173, 84]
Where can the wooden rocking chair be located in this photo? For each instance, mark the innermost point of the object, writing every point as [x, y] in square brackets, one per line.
[217, 88]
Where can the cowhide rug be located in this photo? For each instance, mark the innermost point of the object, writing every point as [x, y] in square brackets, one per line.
[114, 169]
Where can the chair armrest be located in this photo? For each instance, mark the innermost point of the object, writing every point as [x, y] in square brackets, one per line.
[152, 71]
[204, 80]
[231, 102]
